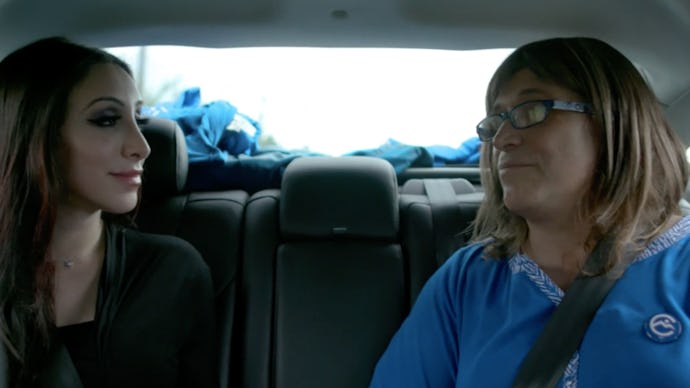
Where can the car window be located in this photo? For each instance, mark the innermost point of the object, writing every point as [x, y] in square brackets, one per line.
[329, 100]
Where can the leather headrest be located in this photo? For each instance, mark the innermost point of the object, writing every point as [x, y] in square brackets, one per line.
[416, 186]
[165, 170]
[332, 197]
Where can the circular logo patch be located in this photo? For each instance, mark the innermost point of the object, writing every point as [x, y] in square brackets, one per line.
[663, 328]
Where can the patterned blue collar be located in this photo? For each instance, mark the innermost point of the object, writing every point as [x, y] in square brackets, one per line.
[522, 263]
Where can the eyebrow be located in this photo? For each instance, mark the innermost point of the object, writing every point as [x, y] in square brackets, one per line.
[138, 104]
[523, 92]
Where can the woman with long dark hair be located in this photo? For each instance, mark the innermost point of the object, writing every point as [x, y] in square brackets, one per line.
[84, 299]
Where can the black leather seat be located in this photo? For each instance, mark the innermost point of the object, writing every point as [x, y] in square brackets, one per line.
[436, 216]
[210, 221]
[323, 285]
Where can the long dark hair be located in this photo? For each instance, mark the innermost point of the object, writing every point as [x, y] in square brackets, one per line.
[35, 84]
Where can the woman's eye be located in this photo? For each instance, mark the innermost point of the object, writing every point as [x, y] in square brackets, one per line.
[105, 121]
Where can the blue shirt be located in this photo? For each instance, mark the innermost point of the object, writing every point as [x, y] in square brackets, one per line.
[476, 319]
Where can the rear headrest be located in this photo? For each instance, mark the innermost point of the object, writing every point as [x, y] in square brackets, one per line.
[350, 196]
[416, 186]
[165, 170]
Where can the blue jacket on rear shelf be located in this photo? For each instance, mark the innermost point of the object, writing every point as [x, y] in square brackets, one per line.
[403, 156]
[224, 154]
[213, 131]
[221, 145]
[467, 153]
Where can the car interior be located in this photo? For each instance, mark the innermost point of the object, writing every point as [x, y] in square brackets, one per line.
[313, 277]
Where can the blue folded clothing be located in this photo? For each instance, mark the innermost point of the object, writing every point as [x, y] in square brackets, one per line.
[222, 146]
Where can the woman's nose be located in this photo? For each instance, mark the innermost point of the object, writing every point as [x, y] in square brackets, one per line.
[136, 145]
[506, 136]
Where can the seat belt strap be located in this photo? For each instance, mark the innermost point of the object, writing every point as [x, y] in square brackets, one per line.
[546, 361]
[447, 217]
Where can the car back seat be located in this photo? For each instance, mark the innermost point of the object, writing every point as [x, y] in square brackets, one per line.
[210, 221]
[323, 285]
[436, 216]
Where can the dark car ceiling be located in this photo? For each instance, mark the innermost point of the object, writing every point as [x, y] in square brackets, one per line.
[654, 33]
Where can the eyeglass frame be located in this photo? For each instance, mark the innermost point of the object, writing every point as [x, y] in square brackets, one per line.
[569, 106]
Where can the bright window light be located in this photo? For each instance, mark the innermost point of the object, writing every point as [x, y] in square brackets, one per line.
[330, 100]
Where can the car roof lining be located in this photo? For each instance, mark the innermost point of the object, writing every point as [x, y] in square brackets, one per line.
[634, 27]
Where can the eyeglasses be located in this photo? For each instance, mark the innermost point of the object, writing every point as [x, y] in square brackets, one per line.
[526, 115]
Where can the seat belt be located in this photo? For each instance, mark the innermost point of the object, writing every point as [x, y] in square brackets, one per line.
[546, 361]
[446, 217]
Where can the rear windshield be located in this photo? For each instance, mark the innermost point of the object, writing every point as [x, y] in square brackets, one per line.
[331, 101]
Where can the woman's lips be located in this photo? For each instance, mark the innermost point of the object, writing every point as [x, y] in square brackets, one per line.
[131, 178]
[510, 165]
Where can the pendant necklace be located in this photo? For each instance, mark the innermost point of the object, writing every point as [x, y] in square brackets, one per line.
[67, 263]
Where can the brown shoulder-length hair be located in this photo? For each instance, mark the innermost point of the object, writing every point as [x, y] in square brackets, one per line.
[35, 84]
[641, 171]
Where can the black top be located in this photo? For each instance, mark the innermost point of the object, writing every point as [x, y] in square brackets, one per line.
[80, 340]
[154, 322]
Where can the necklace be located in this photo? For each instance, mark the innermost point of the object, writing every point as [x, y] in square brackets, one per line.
[67, 263]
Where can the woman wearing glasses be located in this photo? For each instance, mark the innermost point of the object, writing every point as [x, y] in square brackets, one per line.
[576, 151]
